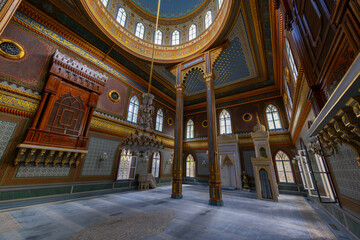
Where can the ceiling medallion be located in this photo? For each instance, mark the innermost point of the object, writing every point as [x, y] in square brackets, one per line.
[11, 49]
[114, 96]
[247, 117]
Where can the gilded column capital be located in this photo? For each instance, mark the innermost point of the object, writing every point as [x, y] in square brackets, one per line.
[180, 86]
[209, 76]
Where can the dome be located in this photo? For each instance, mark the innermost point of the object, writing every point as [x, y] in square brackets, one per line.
[170, 9]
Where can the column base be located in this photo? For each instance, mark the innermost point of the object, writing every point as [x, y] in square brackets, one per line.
[176, 196]
[214, 203]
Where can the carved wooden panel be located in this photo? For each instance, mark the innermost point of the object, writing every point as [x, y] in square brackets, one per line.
[70, 96]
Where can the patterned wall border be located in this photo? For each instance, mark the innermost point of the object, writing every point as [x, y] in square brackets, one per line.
[19, 103]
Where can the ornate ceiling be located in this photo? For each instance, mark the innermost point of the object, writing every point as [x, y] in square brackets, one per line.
[170, 8]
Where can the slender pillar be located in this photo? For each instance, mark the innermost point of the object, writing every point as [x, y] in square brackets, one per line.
[179, 136]
[7, 10]
[214, 168]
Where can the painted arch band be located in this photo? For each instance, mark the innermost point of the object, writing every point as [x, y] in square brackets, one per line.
[142, 48]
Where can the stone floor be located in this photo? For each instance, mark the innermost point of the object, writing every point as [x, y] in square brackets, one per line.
[154, 215]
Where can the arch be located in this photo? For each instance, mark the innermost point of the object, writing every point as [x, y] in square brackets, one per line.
[291, 59]
[190, 129]
[190, 166]
[284, 168]
[140, 30]
[225, 122]
[121, 16]
[127, 165]
[176, 37]
[192, 31]
[208, 19]
[273, 117]
[133, 109]
[159, 120]
[197, 68]
[158, 37]
[155, 169]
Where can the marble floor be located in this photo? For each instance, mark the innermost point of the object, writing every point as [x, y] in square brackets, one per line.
[153, 215]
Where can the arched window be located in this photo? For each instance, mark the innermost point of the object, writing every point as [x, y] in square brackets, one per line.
[283, 167]
[220, 2]
[121, 16]
[208, 19]
[190, 129]
[126, 166]
[158, 37]
[159, 120]
[155, 170]
[105, 2]
[190, 166]
[192, 32]
[225, 122]
[133, 109]
[140, 30]
[175, 37]
[273, 117]
[291, 59]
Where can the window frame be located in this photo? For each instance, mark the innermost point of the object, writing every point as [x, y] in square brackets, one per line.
[284, 157]
[105, 1]
[136, 30]
[131, 164]
[188, 167]
[192, 35]
[191, 130]
[156, 35]
[124, 13]
[225, 113]
[206, 21]
[157, 161]
[135, 107]
[159, 123]
[172, 34]
[291, 60]
[273, 120]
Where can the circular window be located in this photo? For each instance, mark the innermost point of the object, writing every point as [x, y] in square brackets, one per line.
[170, 121]
[204, 123]
[114, 96]
[11, 49]
[247, 117]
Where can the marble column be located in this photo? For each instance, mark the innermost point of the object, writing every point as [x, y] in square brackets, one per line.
[214, 168]
[179, 136]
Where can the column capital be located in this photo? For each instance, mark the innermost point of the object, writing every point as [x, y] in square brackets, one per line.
[209, 76]
[180, 86]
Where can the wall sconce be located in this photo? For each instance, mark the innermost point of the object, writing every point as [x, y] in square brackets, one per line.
[203, 163]
[169, 162]
[103, 157]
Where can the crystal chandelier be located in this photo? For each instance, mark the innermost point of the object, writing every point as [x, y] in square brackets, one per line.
[143, 141]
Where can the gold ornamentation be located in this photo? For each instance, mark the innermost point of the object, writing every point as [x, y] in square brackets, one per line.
[247, 117]
[28, 158]
[19, 155]
[204, 123]
[21, 52]
[38, 158]
[18, 102]
[170, 121]
[114, 96]
[287, 74]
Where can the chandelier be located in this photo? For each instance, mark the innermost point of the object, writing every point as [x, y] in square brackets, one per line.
[144, 141]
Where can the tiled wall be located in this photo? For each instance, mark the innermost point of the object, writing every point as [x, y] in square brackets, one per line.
[31, 171]
[346, 171]
[202, 170]
[92, 164]
[6, 131]
[246, 156]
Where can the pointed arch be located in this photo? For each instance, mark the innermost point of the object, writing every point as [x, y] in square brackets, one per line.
[208, 19]
[133, 109]
[273, 117]
[159, 120]
[190, 129]
[140, 30]
[283, 167]
[155, 169]
[225, 122]
[175, 37]
[158, 37]
[192, 31]
[121, 16]
[190, 166]
[127, 165]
